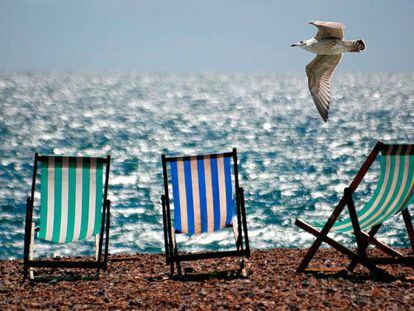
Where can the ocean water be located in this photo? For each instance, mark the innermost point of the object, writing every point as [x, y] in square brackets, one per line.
[291, 164]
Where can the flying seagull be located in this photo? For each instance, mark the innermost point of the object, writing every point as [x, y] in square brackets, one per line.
[328, 44]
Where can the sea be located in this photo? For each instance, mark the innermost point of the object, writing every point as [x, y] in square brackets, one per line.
[292, 164]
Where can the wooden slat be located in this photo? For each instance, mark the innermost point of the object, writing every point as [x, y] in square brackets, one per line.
[64, 264]
[198, 256]
[199, 157]
[98, 159]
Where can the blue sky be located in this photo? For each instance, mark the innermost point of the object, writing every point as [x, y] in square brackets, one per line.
[196, 35]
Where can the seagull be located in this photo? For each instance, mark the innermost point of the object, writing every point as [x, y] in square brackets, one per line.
[328, 44]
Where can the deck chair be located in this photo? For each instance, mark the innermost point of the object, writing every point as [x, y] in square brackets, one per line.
[202, 201]
[73, 207]
[392, 195]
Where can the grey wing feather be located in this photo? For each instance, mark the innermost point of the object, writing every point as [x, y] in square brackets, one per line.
[329, 30]
[319, 72]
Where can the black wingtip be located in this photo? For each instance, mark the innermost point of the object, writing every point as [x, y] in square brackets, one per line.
[325, 117]
[362, 44]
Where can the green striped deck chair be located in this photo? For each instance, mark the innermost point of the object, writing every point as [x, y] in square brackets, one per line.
[393, 194]
[73, 207]
[202, 202]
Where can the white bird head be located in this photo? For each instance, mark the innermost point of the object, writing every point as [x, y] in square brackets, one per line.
[300, 44]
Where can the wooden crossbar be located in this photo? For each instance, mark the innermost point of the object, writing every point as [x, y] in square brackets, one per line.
[64, 264]
[222, 254]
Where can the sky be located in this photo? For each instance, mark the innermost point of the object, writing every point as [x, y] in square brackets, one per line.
[196, 36]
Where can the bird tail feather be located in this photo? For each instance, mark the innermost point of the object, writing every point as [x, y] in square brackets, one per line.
[356, 45]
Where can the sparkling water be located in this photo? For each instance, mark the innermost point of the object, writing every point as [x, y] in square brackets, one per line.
[291, 163]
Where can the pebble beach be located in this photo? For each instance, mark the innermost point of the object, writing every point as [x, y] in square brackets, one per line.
[142, 282]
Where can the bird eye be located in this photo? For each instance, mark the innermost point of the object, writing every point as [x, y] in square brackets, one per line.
[301, 42]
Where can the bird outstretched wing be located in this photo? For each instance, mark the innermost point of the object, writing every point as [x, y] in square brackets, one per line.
[329, 30]
[319, 72]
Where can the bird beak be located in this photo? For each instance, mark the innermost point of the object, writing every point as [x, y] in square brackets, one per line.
[294, 45]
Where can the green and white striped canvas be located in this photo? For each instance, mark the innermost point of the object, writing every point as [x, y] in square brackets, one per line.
[71, 198]
[394, 189]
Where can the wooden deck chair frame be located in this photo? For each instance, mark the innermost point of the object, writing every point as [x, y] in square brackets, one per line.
[240, 230]
[363, 239]
[99, 263]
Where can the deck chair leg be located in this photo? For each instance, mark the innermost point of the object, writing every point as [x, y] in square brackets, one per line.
[174, 257]
[171, 258]
[409, 226]
[171, 267]
[311, 252]
[370, 239]
[96, 246]
[101, 235]
[31, 250]
[362, 248]
[383, 247]
[171, 248]
[326, 239]
[177, 261]
[237, 238]
[164, 223]
[108, 223]
[27, 238]
[365, 244]
[179, 270]
[245, 231]
[320, 236]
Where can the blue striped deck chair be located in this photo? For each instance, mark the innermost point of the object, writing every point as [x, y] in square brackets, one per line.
[73, 207]
[205, 198]
[393, 194]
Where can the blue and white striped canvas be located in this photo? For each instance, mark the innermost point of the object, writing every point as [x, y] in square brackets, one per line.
[202, 194]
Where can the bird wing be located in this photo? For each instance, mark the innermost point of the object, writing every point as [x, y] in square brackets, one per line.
[319, 72]
[329, 30]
